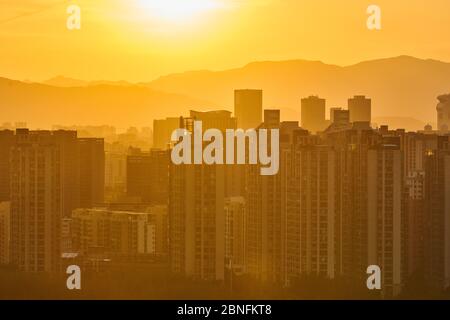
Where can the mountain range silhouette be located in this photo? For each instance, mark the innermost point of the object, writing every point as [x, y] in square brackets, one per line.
[403, 90]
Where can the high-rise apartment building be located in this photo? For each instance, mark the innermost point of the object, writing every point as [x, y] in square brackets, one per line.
[313, 114]
[92, 171]
[220, 119]
[339, 117]
[115, 170]
[310, 212]
[114, 233]
[360, 109]
[162, 132]
[7, 139]
[69, 166]
[36, 202]
[197, 209]
[290, 216]
[437, 215]
[443, 113]
[148, 175]
[415, 224]
[385, 221]
[248, 108]
[197, 221]
[51, 173]
[272, 118]
[5, 232]
[414, 147]
[66, 235]
[235, 231]
[352, 146]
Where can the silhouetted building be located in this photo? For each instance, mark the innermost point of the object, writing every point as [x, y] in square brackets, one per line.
[66, 235]
[52, 173]
[339, 116]
[360, 109]
[385, 221]
[443, 113]
[70, 168]
[36, 201]
[248, 108]
[197, 208]
[272, 118]
[437, 215]
[313, 114]
[310, 216]
[351, 147]
[290, 216]
[416, 223]
[197, 221]
[92, 172]
[235, 234]
[148, 175]
[5, 232]
[7, 140]
[219, 119]
[117, 233]
[162, 132]
[115, 170]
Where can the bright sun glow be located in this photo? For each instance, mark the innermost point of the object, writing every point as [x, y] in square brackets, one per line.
[178, 10]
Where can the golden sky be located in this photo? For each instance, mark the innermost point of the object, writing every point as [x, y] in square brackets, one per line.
[139, 40]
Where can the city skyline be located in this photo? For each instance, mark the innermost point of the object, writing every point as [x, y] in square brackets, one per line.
[224, 150]
[398, 99]
[347, 196]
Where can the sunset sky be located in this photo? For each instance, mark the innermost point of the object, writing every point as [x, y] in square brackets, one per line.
[139, 40]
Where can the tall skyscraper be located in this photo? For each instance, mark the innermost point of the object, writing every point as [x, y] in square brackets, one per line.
[290, 216]
[7, 139]
[310, 212]
[162, 131]
[443, 113]
[197, 208]
[221, 120]
[70, 170]
[5, 232]
[313, 114]
[235, 234]
[351, 147]
[437, 215]
[248, 108]
[115, 170]
[148, 175]
[52, 173]
[36, 202]
[360, 109]
[414, 146]
[416, 223]
[197, 221]
[385, 221]
[139, 182]
[92, 171]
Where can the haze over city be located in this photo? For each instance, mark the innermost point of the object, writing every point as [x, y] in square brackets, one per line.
[224, 149]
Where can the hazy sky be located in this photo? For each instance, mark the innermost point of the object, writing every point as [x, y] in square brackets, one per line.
[139, 40]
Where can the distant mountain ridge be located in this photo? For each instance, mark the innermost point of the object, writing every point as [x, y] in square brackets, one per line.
[403, 86]
[65, 82]
[42, 105]
[400, 87]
